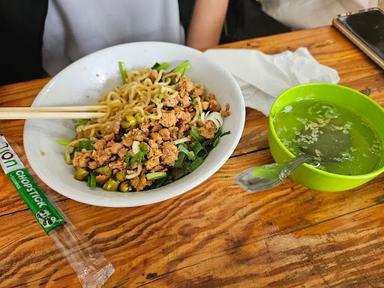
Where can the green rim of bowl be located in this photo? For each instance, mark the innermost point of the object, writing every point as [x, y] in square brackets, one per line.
[322, 172]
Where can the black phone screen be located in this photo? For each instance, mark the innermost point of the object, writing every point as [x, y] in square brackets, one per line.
[369, 27]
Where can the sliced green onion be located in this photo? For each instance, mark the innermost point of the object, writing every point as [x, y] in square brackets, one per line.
[143, 148]
[124, 186]
[196, 163]
[132, 120]
[64, 142]
[225, 133]
[123, 72]
[196, 147]
[125, 124]
[156, 175]
[81, 174]
[194, 132]
[161, 96]
[218, 135]
[191, 155]
[138, 157]
[127, 158]
[160, 66]
[120, 176]
[80, 122]
[85, 145]
[92, 180]
[182, 67]
[104, 170]
[180, 160]
[183, 149]
[193, 99]
[138, 118]
[111, 185]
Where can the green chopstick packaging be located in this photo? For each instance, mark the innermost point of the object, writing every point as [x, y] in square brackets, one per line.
[92, 269]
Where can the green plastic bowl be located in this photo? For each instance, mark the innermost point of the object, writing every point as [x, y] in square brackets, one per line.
[355, 101]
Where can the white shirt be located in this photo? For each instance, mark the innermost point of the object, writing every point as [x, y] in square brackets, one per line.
[75, 28]
[300, 14]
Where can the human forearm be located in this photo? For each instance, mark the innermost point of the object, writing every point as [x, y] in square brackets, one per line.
[207, 22]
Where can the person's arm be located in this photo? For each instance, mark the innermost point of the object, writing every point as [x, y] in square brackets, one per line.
[206, 23]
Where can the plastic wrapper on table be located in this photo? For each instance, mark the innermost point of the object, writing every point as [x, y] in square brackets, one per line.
[92, 268]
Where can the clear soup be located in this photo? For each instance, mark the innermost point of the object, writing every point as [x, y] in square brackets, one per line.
[364, 155]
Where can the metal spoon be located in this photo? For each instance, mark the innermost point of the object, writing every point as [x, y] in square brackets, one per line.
[328, 145]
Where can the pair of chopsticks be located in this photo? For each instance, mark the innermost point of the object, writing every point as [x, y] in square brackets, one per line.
[60, 112]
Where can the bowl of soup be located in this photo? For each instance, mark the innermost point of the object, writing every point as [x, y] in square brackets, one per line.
[310, 106]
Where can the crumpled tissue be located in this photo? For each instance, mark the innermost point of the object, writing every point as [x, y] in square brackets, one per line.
[263, 77]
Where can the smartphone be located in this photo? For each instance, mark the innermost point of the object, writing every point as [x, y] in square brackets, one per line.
[366, 30]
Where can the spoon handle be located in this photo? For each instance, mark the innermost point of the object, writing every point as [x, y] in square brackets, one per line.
[264, 177]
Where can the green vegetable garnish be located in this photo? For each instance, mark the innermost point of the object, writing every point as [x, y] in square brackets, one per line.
[120, 176]
[209, 144]
[160, 66]
[190, 154]
[143, 148]
[180, 160]
[156, 175]
[197, 147]
[124, 186]
[183, 149]
[193, 99]
[132, 120]
[138, 118]
[85, 145]
[194, 132]
[127, 158]
[123, 72]
[91, 180]
[125, 124]
[111, 185]
[80, 122]
[217, 137]
[104, 170]
[182, 67]
[138, 157]
[196, 163]
[64, 142]
[81, 174]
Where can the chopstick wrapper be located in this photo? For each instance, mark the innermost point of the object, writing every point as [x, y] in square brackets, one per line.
[91, 268]
[263, 77]
[44, 211]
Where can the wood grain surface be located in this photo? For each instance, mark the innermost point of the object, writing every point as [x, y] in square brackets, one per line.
[216, 235]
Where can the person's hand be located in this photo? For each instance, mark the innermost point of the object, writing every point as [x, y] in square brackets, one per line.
[206, 23]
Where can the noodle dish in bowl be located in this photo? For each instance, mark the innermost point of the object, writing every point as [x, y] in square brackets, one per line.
[171, 118]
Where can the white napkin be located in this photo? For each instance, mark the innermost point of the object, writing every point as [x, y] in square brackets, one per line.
[263, 77]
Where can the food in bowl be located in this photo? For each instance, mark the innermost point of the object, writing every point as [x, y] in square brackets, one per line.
[366, 113]
[84, 81]
[300, 123]
[158, 127]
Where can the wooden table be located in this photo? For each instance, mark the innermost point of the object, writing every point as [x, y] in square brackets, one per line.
[217, 235]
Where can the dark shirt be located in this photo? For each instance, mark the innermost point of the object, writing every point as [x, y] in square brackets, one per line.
[21, 34]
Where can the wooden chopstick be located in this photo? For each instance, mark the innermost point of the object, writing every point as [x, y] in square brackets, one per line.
[59, 112]
[56, 108]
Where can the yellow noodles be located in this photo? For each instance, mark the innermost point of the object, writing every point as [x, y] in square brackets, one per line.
[140, 95]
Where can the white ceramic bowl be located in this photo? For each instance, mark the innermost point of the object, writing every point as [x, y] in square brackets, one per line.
[85, 80]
